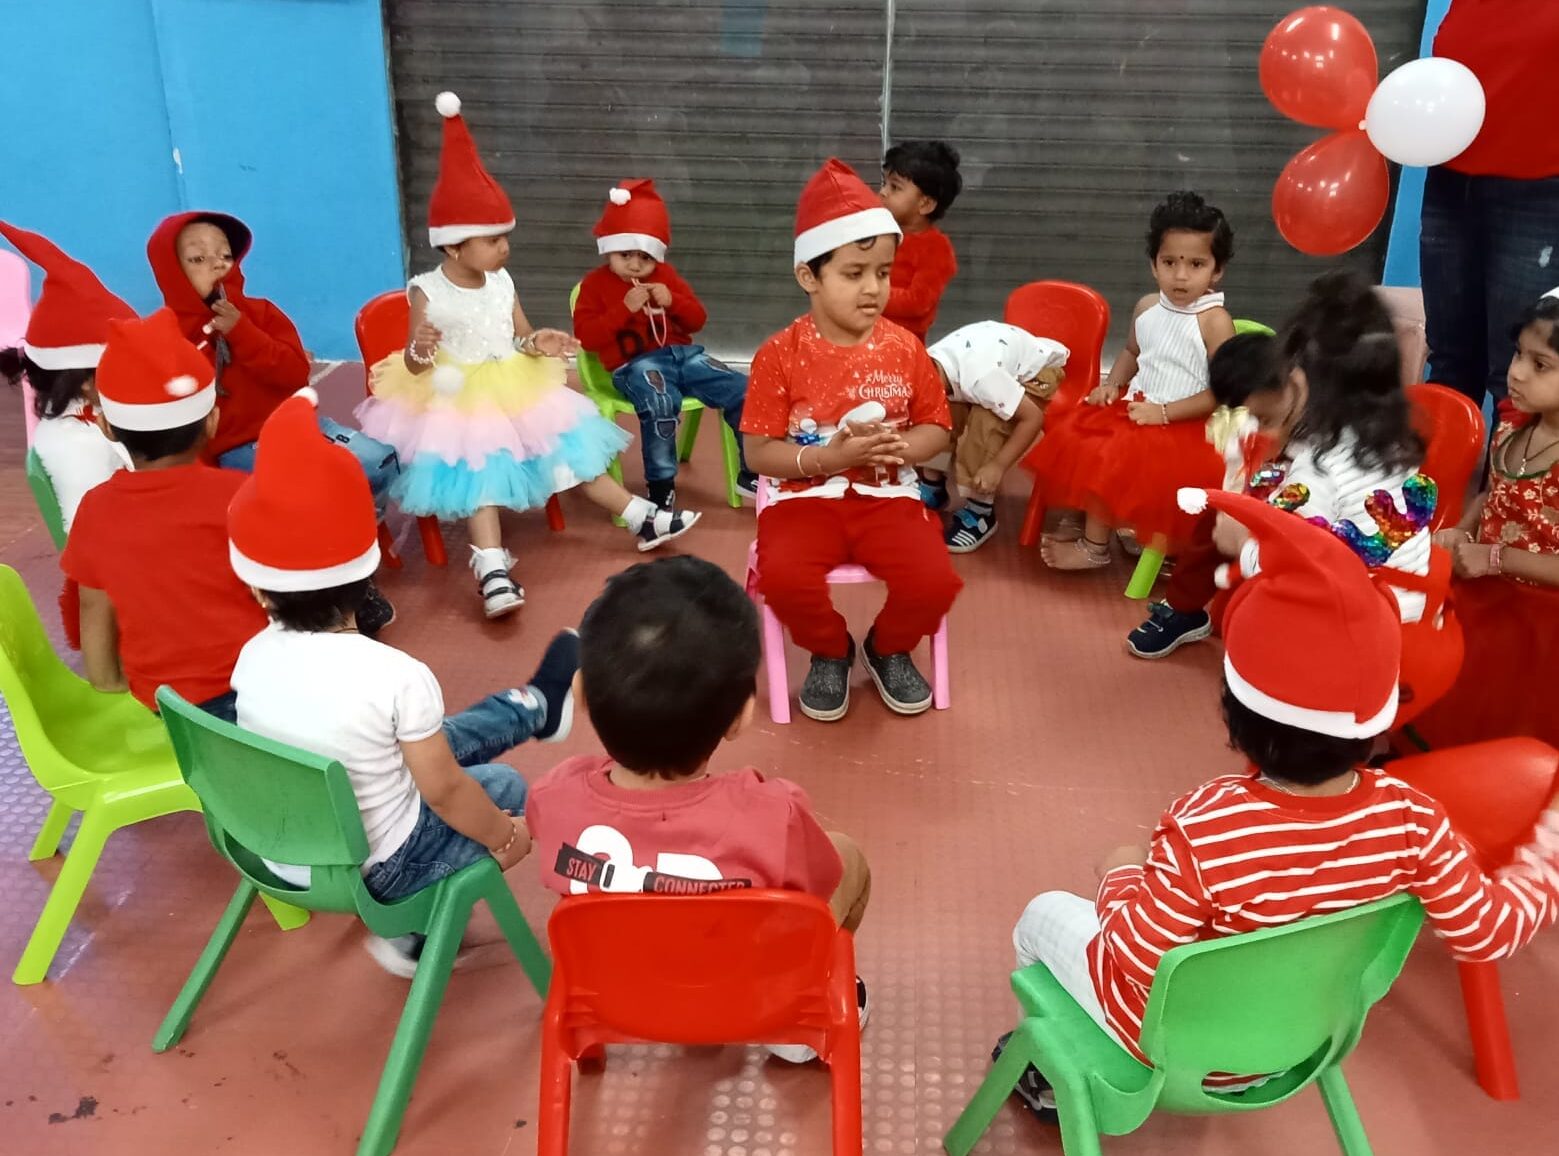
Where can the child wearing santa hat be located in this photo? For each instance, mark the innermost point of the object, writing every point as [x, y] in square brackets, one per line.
[149, 545]
[1309, 680]
[478, 406]
[842, 405]
[637, 314]
[302, 535]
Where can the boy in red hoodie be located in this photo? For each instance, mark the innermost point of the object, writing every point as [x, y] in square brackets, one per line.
[920, 181]
[639, 317]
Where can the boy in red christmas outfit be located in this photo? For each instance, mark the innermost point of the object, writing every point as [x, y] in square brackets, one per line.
[639, 316]
[1310, 678]
[842, 405]
[159, 603]
[920, 181]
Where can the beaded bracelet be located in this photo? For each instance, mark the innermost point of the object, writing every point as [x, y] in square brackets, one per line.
[1164, 409]
[1496, 559]
[514, 833]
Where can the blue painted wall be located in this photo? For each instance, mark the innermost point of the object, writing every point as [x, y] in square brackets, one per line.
[277, 111]
[1402, 247]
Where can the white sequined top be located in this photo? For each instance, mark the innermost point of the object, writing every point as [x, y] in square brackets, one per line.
[477, 324]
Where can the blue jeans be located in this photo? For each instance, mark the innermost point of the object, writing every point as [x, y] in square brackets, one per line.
[223, 706]
[657, 382]
[434, 849]
[378, 460]
[1488, 249]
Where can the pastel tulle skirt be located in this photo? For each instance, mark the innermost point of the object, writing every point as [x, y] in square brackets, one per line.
[1095, 458]
[512, 435]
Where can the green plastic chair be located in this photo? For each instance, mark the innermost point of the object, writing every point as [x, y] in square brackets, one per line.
[104, 756]
[1151, 560]
[264, 800]
[1288, 999]
[42, 487]
[597, 382]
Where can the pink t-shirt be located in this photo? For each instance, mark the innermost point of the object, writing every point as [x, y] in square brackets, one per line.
[726, 831]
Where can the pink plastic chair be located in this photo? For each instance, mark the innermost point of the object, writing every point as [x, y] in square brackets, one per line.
[774, 634]
[15, 309]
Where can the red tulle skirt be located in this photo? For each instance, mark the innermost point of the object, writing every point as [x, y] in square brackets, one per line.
[1512, 651]
[1097, 459]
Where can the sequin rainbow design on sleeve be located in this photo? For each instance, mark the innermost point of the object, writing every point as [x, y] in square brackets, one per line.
[1393, 526]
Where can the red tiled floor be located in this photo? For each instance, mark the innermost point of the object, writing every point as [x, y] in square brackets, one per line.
[1057, 748]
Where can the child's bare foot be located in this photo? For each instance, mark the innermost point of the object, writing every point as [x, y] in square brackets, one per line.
[1080, 554]
[1068, 529]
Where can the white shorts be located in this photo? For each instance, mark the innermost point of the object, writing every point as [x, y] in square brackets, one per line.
[1055, 929]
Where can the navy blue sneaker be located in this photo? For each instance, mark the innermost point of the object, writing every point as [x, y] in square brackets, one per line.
[1167, 630]
[934, 494]
[1033, 1090]
[747, 485]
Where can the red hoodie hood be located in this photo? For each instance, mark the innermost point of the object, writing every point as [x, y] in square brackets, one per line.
[177, 292]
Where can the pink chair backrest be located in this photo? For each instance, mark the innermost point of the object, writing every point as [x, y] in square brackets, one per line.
[1453, 432]
[1073, 314]
[15, 309]
[1493, 791]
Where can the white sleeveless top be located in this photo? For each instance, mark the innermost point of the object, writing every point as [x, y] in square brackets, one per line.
[477, 324]
[1172, 357]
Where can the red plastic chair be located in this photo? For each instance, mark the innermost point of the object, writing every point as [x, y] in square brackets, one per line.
[736, 967]
[1453, 432]
[1494, 793]
[381, 330]
[1079, 318]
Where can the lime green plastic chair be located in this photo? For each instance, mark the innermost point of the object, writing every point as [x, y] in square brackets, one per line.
[104, 756]
[1151, 560]
[1289, 999]
[42, 487]
[264, 800]
[597, 382]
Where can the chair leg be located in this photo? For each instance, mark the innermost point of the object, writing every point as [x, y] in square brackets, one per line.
[288, 917]
[1079, 1126]
[522, 940]
[1033, 520]
[1489, 1029]
[555, 515]
[774, 673]
[988, 1098]
[53, 829]
[96, 825]
[941, 679]
[844, 1073]
[177, 1020]
[557, 1085]
[691, 419]
[450, 915]
[733, 464]
[432, 540]
[1345, 1115]
[1146, 573]
[387, 554]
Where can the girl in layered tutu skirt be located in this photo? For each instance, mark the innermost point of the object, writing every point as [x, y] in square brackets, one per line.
[1120, 458]
[478, 406]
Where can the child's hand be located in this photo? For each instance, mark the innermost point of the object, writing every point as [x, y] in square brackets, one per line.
[636, 298]
[864, 445]
[1471, 560]
[518, 849]
[554, 343]
[1131, 855]
[660, 294]
[987, 478]
[1103, 395]
[425, 342]
[1450, 539]
[224, 315]
[1147, 413]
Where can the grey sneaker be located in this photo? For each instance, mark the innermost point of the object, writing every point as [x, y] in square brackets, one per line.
[902, 687]
[825, 695]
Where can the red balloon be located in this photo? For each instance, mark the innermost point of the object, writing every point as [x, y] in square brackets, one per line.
[1331, 196]
[1318, 67]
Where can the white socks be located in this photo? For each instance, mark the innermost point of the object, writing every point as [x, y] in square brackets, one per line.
[637, 512]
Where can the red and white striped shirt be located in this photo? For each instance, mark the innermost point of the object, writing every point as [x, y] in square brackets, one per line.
[1238, 855]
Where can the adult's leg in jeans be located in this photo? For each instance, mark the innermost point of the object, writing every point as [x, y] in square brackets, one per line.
[1521, 260]
[1192, 586]
[498, 723]
[379, 461]
[717, 385]
[849, 899]
[652, 383]
[900, 542]
[1451, 246]
[240, 458]
[799, 541]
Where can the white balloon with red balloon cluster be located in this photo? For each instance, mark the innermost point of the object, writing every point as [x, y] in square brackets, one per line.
[1425, 113]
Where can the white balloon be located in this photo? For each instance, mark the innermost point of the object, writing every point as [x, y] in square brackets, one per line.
[1426, 112]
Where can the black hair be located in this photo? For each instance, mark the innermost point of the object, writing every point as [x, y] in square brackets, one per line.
[148, 445]
[53, 389]
[1343, 338]
[668, 660]
[816, 263]
[317, 611]
[1187, 211]
[1543, 309]
[1286, 753]
[1246, 363]
[932, 167]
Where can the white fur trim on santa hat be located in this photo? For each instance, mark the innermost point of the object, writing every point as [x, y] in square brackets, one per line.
[64, 356]
[441, 235]
[309, 394]
[1337, 723]
[619, 196]
[264, 577]
[181, 411]
[631, 243]
[825, 238]
[448, 104]
[1191, 499]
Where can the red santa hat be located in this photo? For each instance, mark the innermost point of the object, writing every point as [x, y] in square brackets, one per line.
[634, 220]
[466, 201]
[69, 324]
[150, 376]
[837, 208]
[1310, 639]
[305, 519]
